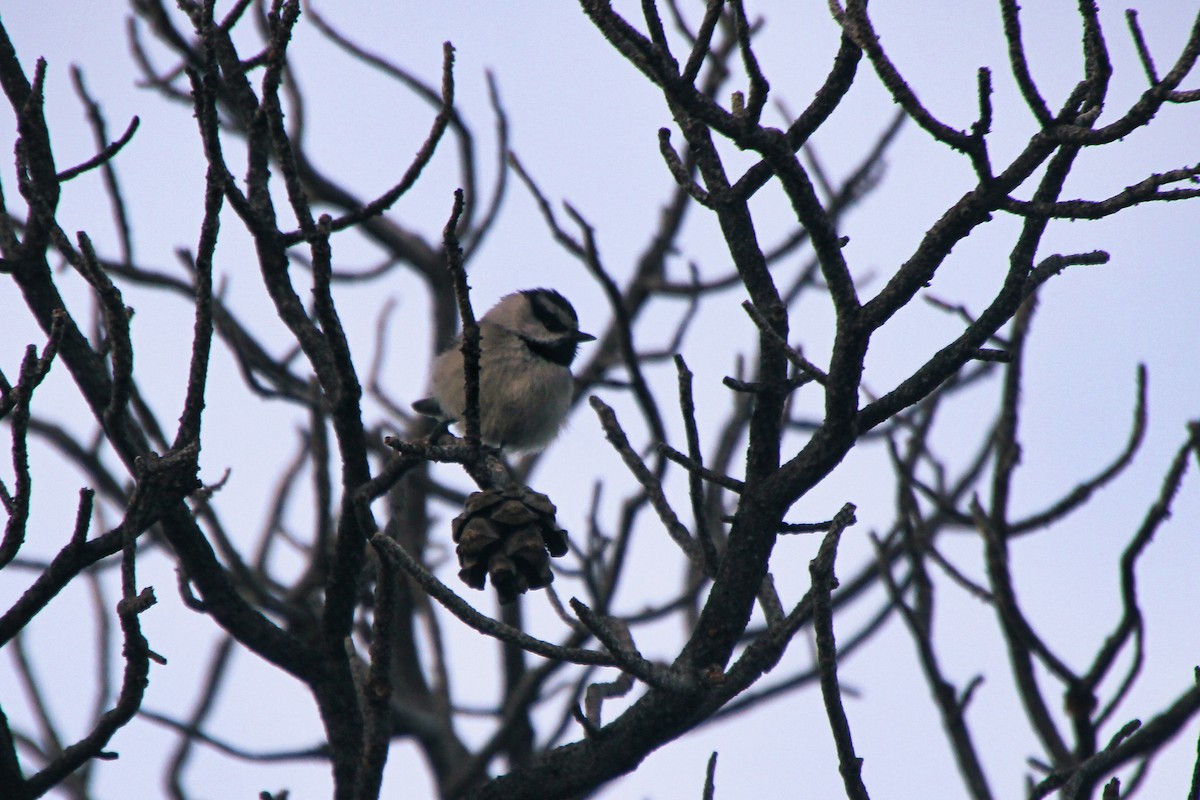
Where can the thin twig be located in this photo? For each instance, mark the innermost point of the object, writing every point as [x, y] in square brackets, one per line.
[396, 556]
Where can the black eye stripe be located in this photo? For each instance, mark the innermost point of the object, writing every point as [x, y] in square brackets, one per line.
[552, 310]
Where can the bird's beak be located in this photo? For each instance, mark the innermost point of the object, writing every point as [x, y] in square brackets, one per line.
[584, 337]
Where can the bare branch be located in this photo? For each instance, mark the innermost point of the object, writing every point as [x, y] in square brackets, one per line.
[395, 555]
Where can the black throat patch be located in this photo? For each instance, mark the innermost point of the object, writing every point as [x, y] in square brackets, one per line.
[560, 351]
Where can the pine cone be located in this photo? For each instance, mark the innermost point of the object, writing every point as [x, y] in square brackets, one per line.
[506, 534]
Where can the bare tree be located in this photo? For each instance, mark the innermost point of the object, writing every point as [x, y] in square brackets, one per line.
[355, 606]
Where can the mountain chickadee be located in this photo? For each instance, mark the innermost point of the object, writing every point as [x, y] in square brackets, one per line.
[527, 343]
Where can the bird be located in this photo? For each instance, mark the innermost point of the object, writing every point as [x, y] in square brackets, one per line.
[527, 343]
